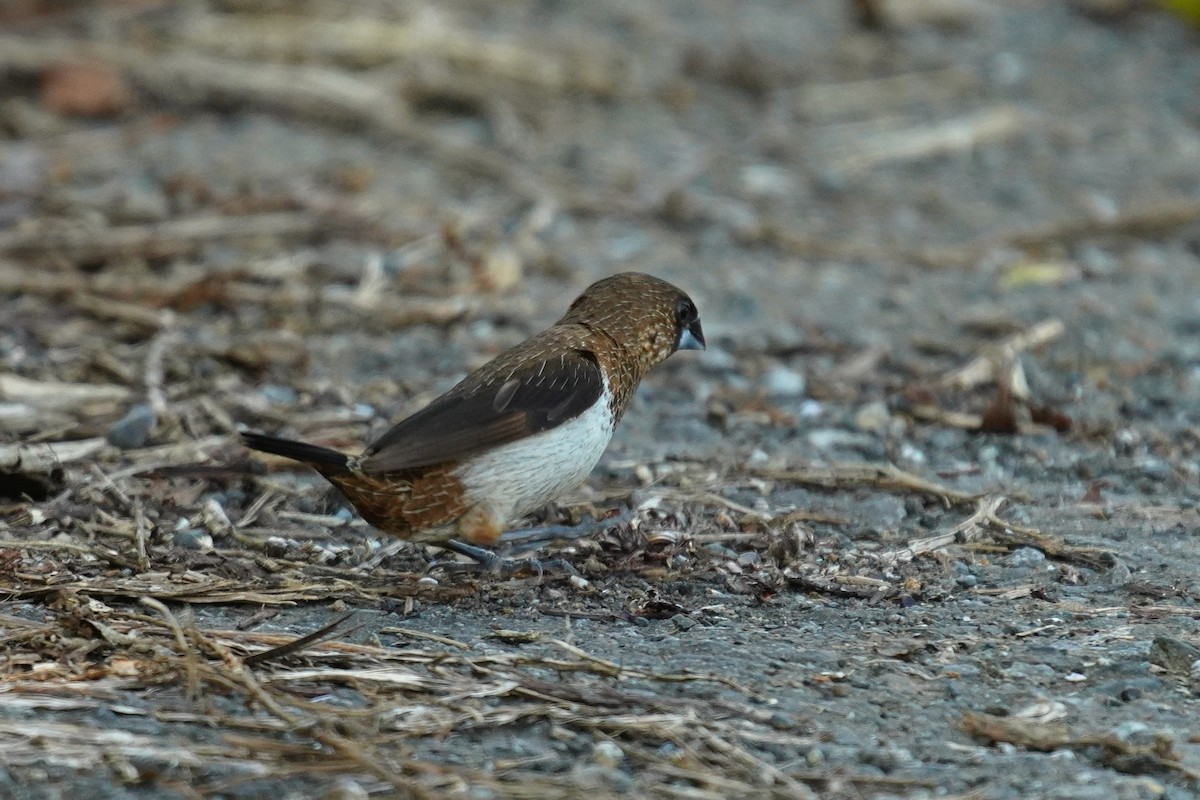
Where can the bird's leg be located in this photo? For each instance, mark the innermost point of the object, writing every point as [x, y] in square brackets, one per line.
[485, 560]
[492, 562]
[522, 540]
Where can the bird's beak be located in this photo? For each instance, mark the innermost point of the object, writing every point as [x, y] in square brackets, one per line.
[692, 337]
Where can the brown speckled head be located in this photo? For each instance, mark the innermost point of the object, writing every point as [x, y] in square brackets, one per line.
[647, 318]
[634, 321]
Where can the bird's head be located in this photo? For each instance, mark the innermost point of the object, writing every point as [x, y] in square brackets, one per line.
[646, 316]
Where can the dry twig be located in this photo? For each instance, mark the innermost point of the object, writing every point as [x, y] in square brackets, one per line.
[886, 476]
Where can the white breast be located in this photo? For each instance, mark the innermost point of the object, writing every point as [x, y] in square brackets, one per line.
[525, 475]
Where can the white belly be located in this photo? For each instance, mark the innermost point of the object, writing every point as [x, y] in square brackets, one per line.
[527, 474]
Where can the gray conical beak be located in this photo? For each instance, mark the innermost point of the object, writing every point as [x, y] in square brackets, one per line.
[692, 337]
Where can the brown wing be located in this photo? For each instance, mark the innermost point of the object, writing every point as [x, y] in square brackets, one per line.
[476, 416]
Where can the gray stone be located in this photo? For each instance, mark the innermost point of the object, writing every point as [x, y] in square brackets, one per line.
[781, 381]
[1134, 732]
[872, 417]
[1025, 557]
[278, 395]
[192, 539]
[1173, 655]
[683, 622]
[133, 430]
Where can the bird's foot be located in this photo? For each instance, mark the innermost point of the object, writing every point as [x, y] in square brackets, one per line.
[492, 563]
[514, 542]
[524, 539]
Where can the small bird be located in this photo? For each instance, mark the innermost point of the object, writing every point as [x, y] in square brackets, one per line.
[517, 433]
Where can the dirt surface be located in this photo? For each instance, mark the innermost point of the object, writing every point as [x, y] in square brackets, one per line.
[921, 522]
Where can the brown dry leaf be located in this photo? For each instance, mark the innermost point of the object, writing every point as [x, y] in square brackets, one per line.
[1049, 415]
[122, 667]
[1002, 415]
[85, 90]
[499, 269]
[1095, 492]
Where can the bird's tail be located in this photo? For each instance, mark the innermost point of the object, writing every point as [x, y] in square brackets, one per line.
[323, 459]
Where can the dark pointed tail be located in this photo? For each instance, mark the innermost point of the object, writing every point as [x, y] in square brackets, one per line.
[321, 458]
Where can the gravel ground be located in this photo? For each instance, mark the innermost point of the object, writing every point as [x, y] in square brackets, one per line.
[949, 270]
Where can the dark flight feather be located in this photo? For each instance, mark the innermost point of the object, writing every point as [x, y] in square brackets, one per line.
[322, 458]
[474, 416]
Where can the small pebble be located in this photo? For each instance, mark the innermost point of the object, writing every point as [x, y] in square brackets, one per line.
[966, 581]
[346, 789]
[781, 722]
[1025, 557]
[888, 759]
[766, 181]
[873, 417]
[781, 381]
[683, 622]
[830, 181]
[717, 360]
[192, 539]
[500, 269]
[721, 550]
[829, 438]
[963, 670]
[139, 204]
[668, 751]
[1098, 261]
[600, 777]
[1029, 672]
[1007, 69]
[24, 168]
[1119, 574]
[607, 754]
[911, 454]
[278, 395]
[1129, 694]
[276, 546]
[758, 458]
[133, 430]
[1156, 469]
[811, 409]
[1173, 655]
[1133, 731]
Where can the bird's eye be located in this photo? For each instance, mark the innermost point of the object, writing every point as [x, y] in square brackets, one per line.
[685, 312]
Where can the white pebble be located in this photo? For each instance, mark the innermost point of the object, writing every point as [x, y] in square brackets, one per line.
[780, 381]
